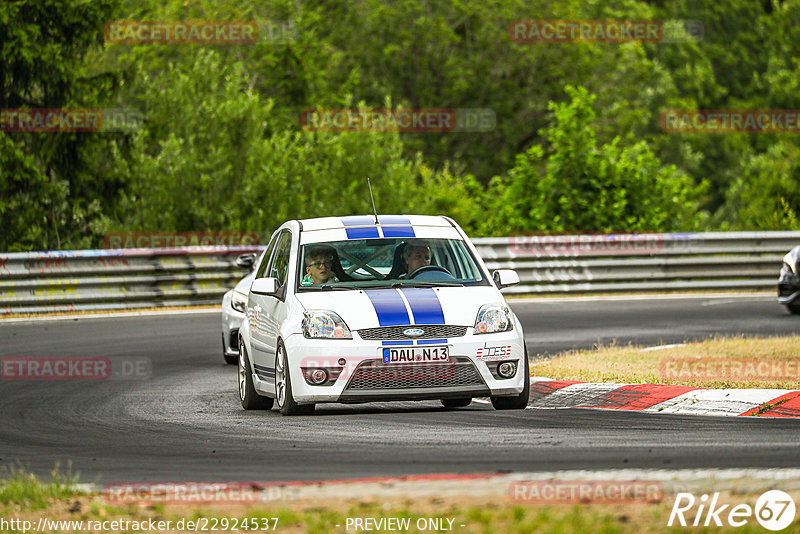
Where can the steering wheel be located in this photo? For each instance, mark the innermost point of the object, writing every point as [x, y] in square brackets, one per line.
[427, 269]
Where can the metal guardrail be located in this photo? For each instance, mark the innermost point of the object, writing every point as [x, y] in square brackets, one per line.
[42, 282]
[74, 280]
[641, 262]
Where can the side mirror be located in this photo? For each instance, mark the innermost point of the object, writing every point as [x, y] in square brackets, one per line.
[246, 261]
[505, 278]
[264, 286]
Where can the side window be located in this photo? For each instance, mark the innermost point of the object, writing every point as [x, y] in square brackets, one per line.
[267, 255]
[280, 265]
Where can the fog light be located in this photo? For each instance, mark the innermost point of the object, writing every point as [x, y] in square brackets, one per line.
[318, 376]
[507, 369]
[342, 361]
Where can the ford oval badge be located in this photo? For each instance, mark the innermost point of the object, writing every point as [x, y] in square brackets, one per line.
[414, 332]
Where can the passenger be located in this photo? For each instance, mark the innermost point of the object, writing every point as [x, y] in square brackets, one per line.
[319, 265]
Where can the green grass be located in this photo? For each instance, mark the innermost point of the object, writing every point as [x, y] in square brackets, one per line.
[23, 490]
[24, 495]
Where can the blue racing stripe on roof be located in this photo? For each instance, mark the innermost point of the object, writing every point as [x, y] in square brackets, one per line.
[393, 219]
[424, 304]
[400, 226]
[389, 306]
[398, 231]
[363, 232]
[358, 220]
[360, 227]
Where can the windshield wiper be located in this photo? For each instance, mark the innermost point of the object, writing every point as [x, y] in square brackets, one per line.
[411, 283]
[327, 287]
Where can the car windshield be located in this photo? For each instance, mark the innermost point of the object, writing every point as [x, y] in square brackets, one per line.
[369, 263]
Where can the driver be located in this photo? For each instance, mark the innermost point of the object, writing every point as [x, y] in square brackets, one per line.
[416, 255]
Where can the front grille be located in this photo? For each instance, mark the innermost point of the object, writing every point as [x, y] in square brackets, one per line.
[374, 374]
[435, 331]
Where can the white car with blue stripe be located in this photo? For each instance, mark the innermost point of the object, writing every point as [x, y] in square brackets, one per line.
[378, 308]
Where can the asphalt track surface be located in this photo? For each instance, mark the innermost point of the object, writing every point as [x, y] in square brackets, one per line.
[184, 422]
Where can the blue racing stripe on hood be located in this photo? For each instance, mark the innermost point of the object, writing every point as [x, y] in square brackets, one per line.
[389, 306]
[424, 304]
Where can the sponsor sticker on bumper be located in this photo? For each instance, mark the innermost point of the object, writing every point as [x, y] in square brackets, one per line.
[488, 354]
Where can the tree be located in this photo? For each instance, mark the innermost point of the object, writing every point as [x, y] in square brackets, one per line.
[767, 194]
[50, 192]
[582, 187]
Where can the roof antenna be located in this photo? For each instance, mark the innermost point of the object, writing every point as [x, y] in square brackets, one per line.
[373, 201]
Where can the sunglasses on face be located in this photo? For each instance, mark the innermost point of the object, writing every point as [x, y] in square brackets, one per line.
[320, 264]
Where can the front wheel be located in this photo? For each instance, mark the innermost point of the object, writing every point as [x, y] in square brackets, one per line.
[283, 387]
[794, 308]
[520, 401]
[251, 400]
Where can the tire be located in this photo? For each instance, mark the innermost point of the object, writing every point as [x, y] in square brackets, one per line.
[230, 360]
[283, 387]
[456, 403]
[247, 392]
[520, 401]
[794, 308]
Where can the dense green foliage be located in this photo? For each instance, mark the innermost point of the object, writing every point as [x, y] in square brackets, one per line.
[577, 145]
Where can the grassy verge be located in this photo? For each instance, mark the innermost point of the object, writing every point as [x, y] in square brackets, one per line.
[26, 498]
[24, 491]
[734, 362]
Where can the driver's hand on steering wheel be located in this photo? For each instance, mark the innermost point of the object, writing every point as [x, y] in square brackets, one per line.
[429, 268]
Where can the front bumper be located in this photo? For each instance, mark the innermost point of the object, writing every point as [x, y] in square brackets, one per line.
[788, 288]
[231, 322]
[364, 377]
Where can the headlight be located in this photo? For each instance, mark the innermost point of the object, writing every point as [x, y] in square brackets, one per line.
[324, 324]
[239, 301]
[788, 268]
[493, 318]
